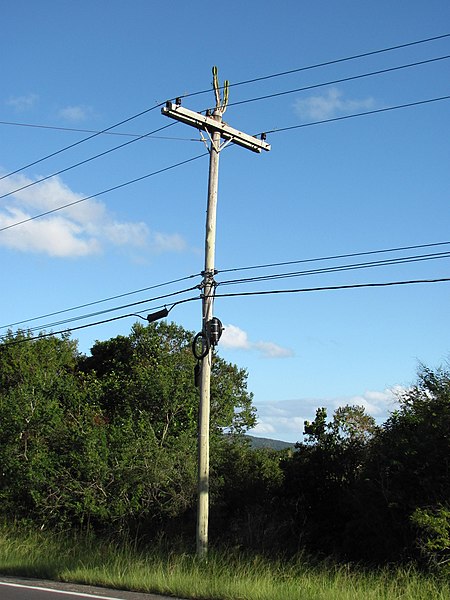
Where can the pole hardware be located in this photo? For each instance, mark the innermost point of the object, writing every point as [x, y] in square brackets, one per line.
[204, 123]
[214, 329]
[209, 337]
[205, 347]
[160, 314]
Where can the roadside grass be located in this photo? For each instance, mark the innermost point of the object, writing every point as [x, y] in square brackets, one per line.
[224, 576]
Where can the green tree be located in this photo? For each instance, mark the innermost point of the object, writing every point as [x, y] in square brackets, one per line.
[409, 466]
[107, 440]
[320, 478]
[433, 537]
[247, 485]
[47, 430]
[152, 371]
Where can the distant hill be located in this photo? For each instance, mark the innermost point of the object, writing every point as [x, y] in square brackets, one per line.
[258, 442]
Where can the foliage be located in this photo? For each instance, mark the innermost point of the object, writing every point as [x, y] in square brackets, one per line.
[406, 469]
[247, 483]
[434, 536]
[227, 574]
[151, 372]
[107, 440]
[320, 478]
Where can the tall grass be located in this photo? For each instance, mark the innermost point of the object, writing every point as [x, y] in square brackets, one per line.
[225, 576]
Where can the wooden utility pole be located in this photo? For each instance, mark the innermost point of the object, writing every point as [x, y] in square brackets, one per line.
[216, 131]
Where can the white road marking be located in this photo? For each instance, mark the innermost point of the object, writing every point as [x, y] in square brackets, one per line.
[44, 589]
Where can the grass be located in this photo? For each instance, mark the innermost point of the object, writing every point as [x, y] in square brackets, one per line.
[225, 576]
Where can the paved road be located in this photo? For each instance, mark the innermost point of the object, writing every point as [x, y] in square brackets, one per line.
[33, 589]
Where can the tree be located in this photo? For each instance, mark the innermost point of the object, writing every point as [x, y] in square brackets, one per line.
[408, 469]
[107, 440]
[152, 371]
[246, 487]
[50, 443]
[320, 478]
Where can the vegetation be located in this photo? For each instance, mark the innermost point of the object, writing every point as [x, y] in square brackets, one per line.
[104, 447]
[225, 576]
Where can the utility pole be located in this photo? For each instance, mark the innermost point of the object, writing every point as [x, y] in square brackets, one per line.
[216, 130]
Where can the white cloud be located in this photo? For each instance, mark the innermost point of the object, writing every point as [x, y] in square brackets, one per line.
[234, 338]
[165, 242]
[284, 420]
[271, 350]
[76, 113]
[79, 230]
[377, 404]
[237, 339]
[22, 103]
[330, 105]
[123, 234]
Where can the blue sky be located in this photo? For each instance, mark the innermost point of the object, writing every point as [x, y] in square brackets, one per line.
[350, 186]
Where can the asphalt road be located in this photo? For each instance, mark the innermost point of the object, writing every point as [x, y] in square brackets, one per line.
[33, 589]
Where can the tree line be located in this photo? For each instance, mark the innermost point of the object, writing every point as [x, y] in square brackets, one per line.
[107, 442]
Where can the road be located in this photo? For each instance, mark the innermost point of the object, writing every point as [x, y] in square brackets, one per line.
[33, 589]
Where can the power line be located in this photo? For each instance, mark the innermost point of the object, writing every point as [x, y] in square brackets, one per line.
[277, 130]
[327, 63]
[83, 162]
[116, 133]
[236, 269]
[90, 137]
[334, 257]
[237, 84]
[111, 189]
[67, 331]
[65, 310]
[149, 134]
[333, 287]
[261, 266]
[340, 268]
[108, 310]
[342, 80]
[361, 114]
[266, 77]
[239, 294]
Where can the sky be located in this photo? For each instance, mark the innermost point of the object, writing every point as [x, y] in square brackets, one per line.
[329, 187]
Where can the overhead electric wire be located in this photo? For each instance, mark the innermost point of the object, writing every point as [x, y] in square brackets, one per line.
[266, 77]
[341, 80]
[237, 84]
[137, 179]
[277, 130]
[296, 90]
[149, 134]
[361, 114]
[70, 330]
[80, 306]
[325, 64]
[90, 137]
[236, 269]
[238, 294]
[248, 81]
[102, 312]
[340, 268]
[334, 257]
[240, 102]
[116, 133]
[111, 189]
[332, 287]
[86, 160]
[83, 162]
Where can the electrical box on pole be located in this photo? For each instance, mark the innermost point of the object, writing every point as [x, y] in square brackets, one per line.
[217, 130]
